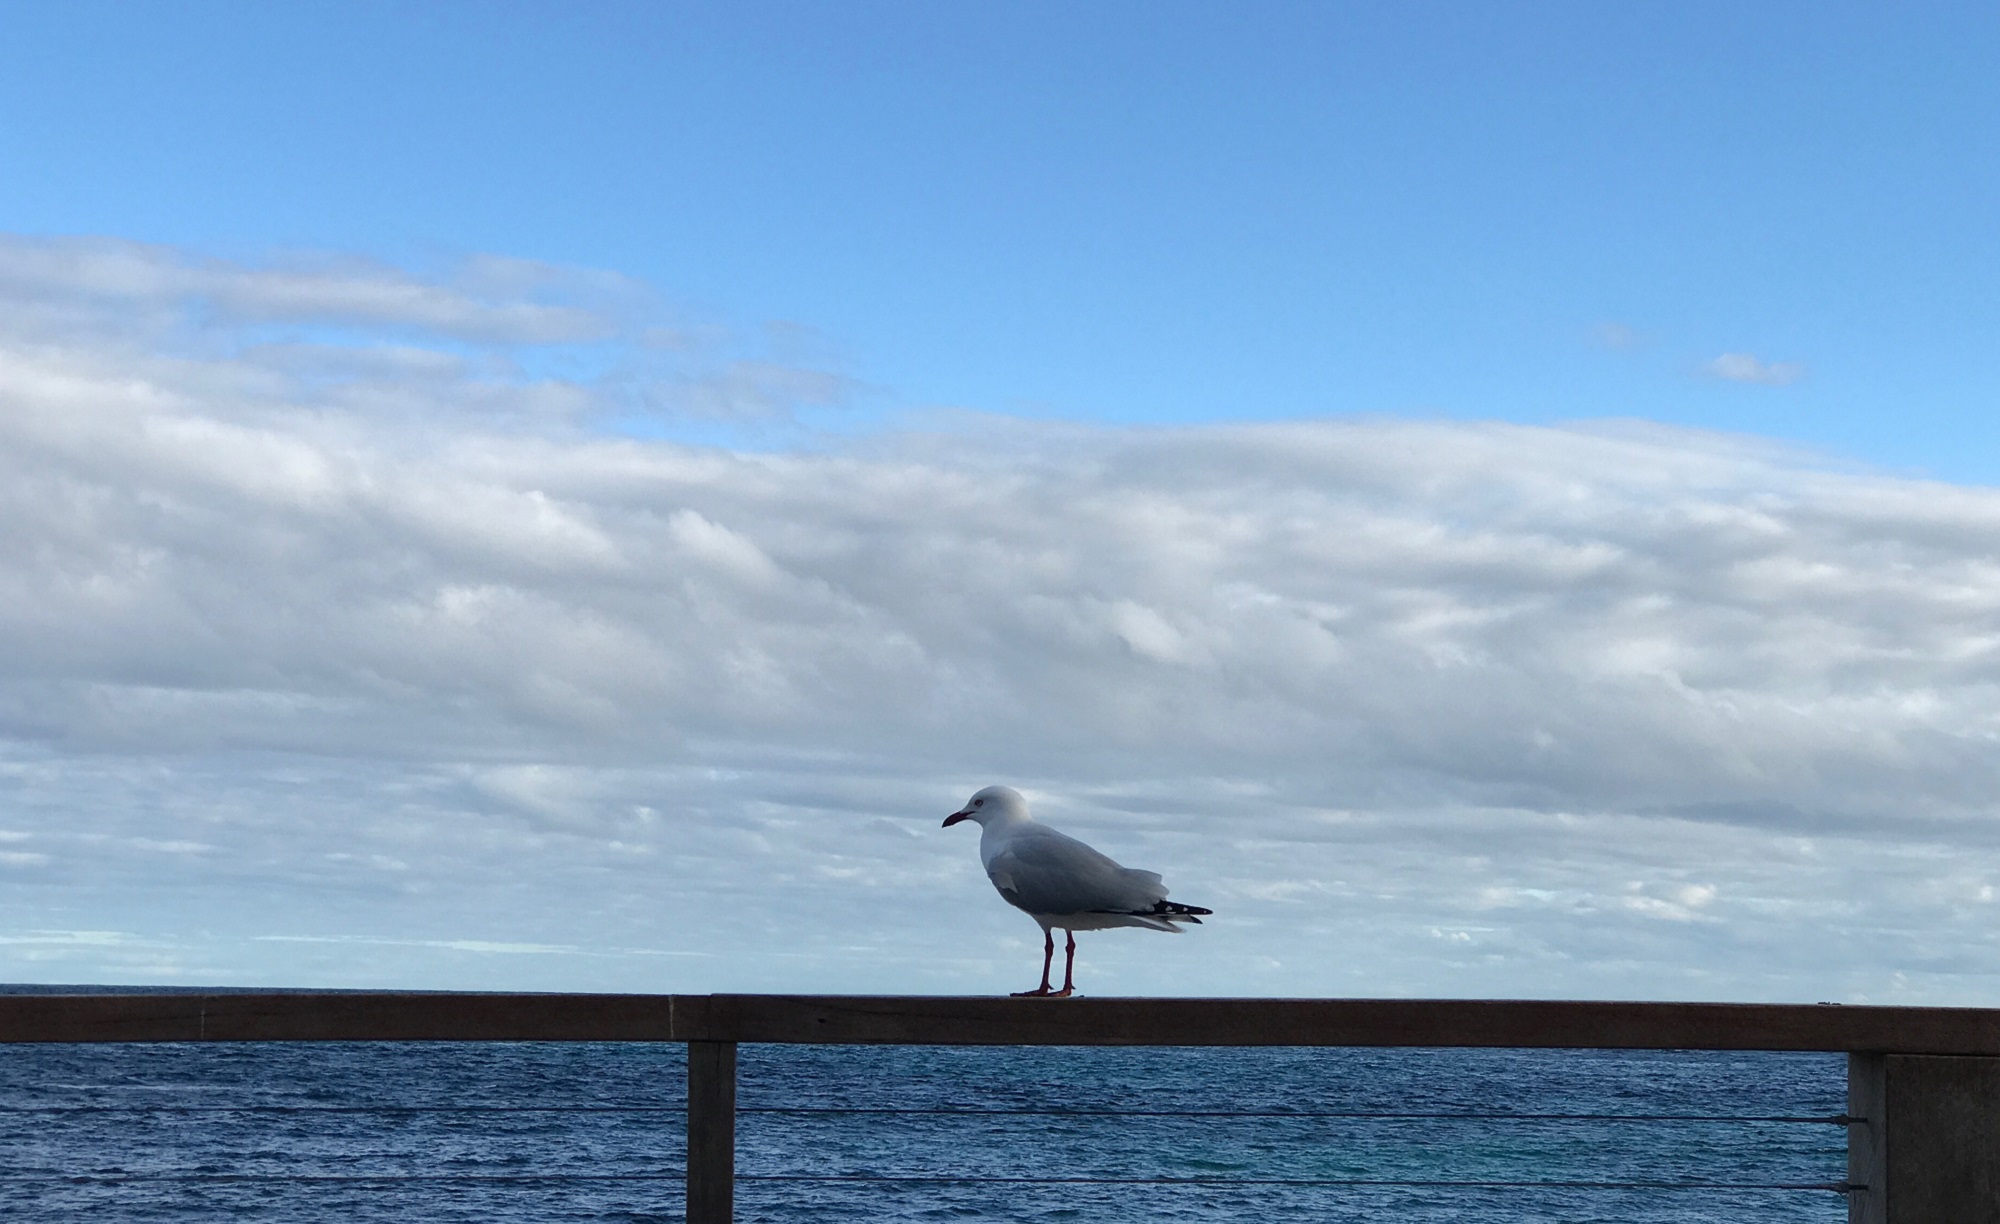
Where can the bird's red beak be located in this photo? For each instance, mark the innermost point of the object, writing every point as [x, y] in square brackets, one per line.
[954, 818]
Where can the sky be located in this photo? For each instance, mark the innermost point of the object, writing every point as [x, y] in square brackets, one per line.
[1493, 501]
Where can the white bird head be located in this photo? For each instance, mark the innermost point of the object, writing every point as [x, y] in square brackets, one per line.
[995, 802]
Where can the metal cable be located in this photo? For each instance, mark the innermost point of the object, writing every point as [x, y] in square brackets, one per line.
[288, 1178]
[806, 1110]
[1837, 1119]
[1359, 1183]
[938, 1180]
[1836, 1187]
[340, 1109]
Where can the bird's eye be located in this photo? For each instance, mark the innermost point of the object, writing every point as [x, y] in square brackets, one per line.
[979, 803]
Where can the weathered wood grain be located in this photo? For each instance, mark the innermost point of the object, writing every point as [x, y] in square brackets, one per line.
[336, 1016]
[711, 1133]
[1339, 1022]
[880, 1020]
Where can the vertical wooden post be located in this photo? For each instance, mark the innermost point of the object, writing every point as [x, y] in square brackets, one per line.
[711, 1132]
[1930, 1149]
[1866, 1168]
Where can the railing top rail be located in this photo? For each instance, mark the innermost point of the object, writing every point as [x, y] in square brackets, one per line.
[917, 1020]
[1341, 1022]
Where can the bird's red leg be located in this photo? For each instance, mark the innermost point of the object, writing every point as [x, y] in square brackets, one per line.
[1048, 958]
[1069, 965]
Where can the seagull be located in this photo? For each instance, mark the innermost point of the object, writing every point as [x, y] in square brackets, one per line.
[1060, 882]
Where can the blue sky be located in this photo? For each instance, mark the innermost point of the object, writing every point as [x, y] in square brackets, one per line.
[1157, 212]
[1492, 500]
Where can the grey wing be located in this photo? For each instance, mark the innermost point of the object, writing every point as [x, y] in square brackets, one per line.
[1050, 873]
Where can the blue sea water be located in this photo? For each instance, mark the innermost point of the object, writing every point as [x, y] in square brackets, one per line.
[567, 1132]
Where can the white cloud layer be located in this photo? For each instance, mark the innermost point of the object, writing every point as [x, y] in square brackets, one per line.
[1746, 368]
[382, 659]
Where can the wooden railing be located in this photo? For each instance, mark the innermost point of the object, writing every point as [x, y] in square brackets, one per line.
[1923, 1083]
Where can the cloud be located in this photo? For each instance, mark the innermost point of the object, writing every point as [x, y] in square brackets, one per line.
[487, 300]
[1634, 710]
[761, 390]
[536, 342]
[1742, 367]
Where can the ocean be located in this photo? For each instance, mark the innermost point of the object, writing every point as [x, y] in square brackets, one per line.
[499, 1133]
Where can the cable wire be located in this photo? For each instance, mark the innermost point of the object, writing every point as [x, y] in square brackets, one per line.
[927, 1179]
[341, 1109]
[933, 1180]
[973, 1112]
[1836, 1119]
[332, 1178]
